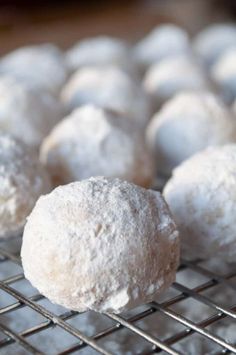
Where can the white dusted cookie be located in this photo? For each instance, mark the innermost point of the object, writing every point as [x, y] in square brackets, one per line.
[100, 244]
[92, 141]
[26, 112]
[201, 195]
[22, 181]
[98, 51]
[171, 76]
[162, 42]
[42, 66]
[211, 42]
[186, 124]
[223, 73]
[108, 87]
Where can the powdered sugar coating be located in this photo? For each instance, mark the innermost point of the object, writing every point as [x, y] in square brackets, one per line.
[41, 66]
[100, 244]
[186, 124]
[25, 112]
[171, 76]
[22, 181]
[202, 196]
[108, 87]
[213, 41]
[98, 51]
[93, 141]
[162, 42]
[224, 74]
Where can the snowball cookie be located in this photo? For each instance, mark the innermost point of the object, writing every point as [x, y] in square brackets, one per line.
[224, 75]
[186, 124]
[110, 88]
[167, 78]
[163, 42]
[22, 181]
[26, 112]
[42, 66]
[92, 141]
[202, 196]
[210, 43]
[100, 244]
[98, 51]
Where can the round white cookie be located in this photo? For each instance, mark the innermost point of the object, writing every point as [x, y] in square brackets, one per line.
[98, 51]
[162, 42]
[93, 141]
[186, 124]
[210, 43]
[26, 112]
[108, 87]
[202, 196]
[41, 66]
[100, 244]
[171, 76]
[22, 181]
[223, 74]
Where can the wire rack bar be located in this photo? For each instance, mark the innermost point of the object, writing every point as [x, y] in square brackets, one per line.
[54, 318]
[12, 279]
[110, 330]
[20, 340]
[120, 322]
[188, 331]
[19, 304]
[210, 274]
[40, 327]
[7, 255]
[179, 336]
[204, 299]
[143, 334]
[195, 327]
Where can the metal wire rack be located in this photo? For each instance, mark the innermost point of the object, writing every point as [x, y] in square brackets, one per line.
[136, 332]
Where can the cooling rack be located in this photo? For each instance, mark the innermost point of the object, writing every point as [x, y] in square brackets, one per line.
[136, 331]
